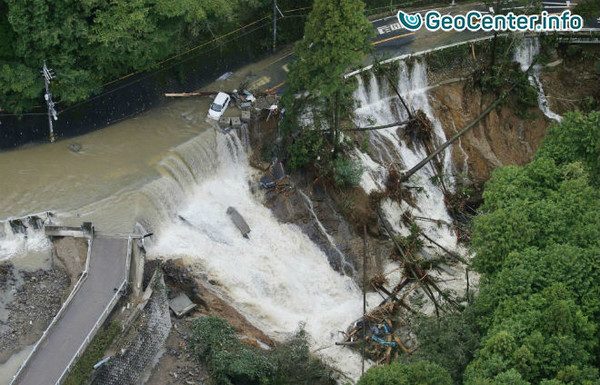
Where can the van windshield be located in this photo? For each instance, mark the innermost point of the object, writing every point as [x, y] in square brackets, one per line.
[216, 107]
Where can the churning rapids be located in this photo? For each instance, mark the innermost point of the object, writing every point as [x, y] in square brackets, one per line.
[278, 278]
[155, 169]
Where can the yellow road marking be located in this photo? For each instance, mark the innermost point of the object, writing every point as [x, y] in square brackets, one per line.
[276, 87]
[377, 42]
[393, 38]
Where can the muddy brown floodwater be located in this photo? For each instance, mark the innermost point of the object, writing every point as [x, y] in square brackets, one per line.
[98, 183]
[100, 176]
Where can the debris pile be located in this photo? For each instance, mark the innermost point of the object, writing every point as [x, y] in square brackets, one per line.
[275, 178]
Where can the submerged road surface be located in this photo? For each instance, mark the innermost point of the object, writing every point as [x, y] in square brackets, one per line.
[106, 273]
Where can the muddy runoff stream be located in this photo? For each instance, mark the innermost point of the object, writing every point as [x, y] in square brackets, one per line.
[169, 163]
[102, 183]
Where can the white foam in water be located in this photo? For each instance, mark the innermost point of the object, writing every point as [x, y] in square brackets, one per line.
[374, 175]
[278, 278]
[526, 52]
[15, 245]
[379, 107]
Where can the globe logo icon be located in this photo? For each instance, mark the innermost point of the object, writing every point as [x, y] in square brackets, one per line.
[410, 22]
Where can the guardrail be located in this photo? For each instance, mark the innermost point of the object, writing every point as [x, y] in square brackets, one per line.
[92, 332]
[63, 308]
[424, 52]
[101, 319]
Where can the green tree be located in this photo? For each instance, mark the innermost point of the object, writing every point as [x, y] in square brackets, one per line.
[336, 37]
[304, 149]
[534, 206]
[346, 172]
[229, 360]
[91, 41]
[576, 138]
[538, 336]
[418, 373]
[450, 342]
[537, 241]
[20, 85]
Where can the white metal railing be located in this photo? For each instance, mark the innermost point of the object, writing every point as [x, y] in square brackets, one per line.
[63, 308]
[92, 332]
[102, 317]
[420, 53]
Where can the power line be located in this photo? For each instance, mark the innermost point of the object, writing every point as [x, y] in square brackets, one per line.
[150, 74]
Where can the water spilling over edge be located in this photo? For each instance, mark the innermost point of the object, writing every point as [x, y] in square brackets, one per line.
[277, 278]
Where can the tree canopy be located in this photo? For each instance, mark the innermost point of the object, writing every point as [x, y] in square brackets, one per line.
[537, 242]
[91, 41]
[419, 373]
[336, 37]
[536, 319]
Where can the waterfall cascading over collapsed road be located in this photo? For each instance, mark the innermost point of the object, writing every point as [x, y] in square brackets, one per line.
[377, 105]
[278, 278]
[524, 55]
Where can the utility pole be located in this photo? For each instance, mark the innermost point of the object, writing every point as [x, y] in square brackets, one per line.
[364, 328]
[49, 75]
[274, 25]
[275, 10]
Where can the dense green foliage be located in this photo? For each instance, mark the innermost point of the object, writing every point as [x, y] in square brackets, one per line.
[536, 319]
[82, 371]
[450, 342]
[419, 373]
[231, 361]
[537, 244]
[305, 149]
[577, 138]
[92, 41]
[549, 201]
[296, 365]
[346, 172]
[336, 37]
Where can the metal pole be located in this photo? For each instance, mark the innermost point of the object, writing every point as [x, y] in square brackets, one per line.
[364, 341]
[48, 75]
[274, 25]
[48, 100]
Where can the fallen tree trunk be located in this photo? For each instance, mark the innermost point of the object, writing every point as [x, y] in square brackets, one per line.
[450, 253]
[422, 163]
[415, 271]
[401, 123]
[188, 94]
[393, 85]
